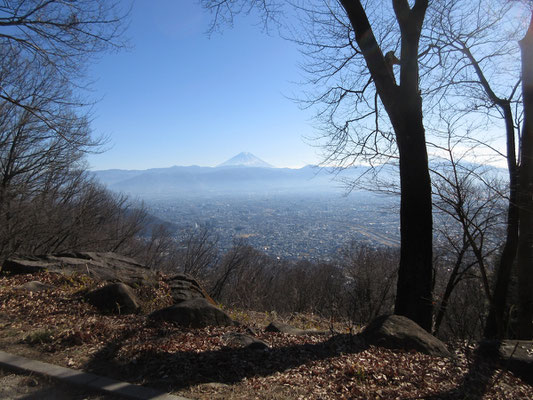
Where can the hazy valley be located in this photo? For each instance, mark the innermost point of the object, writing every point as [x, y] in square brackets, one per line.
[288, 213]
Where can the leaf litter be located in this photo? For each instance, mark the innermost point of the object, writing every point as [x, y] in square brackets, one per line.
[57, 326]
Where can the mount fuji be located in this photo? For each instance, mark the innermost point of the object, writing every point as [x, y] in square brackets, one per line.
[245, 159]
[243, 173]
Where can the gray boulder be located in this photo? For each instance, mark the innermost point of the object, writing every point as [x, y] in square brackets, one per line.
[34, 286]
[398, 332]
[194, 313]
[517, 355]
[242, 340]
[183, 287]
[115, 298]
[514, 355]
[100, 266]
[277, 326]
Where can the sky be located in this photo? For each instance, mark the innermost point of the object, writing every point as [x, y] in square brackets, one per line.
[181, 97]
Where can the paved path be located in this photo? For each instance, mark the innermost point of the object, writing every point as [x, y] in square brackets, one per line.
[83, 379]
[25, 386]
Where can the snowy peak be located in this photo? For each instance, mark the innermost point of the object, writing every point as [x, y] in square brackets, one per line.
[245, 159]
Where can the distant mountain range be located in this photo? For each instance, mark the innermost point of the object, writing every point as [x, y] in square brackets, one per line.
[242, 174]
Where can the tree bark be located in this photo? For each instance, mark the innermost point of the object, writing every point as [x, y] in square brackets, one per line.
[403, 104]
[415, 276]
[525, 241]
[496, 325]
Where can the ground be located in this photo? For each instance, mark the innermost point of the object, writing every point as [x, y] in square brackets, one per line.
[16, 386]
[58, 327]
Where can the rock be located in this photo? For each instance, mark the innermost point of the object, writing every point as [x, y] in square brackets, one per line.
[100, 266]
[514, 355]
[116, 298]
[243, 340]
[183, 287]
[250, 330]
[194, 313]
[398, 332]
[214, 385]
[277, 326]
[34, 286]
[517, 355]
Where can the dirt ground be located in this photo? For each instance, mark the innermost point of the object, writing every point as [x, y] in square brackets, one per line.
[57, 326]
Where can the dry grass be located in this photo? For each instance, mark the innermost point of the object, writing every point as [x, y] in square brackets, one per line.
[57, 326]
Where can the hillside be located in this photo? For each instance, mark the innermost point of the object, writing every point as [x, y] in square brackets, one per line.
[56, 326]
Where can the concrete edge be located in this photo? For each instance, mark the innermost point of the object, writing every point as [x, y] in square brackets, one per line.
[84, 379]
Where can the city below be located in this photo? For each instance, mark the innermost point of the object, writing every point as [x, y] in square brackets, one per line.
[312, 226]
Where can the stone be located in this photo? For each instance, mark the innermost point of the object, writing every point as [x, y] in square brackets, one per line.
[110, 267]
[277, 326]
[398, 332]
[513, 355]
[34, 286]
[214, 385]
[194, 313]
[183, 287]
[91, 382]
[517, 356]
[250, 331]
[242, 340]
[100, 266]
[115, 298]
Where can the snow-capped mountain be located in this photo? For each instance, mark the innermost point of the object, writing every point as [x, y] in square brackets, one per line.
[245, 159]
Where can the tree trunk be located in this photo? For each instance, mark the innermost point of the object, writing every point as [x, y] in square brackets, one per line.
[453, 280]
[495, 327]
[415, 276]
[525, 241]
[403, 105]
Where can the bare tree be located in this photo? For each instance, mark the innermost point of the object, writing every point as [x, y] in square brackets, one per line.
[478, 79]
[35, 161]
[371, 275]
[58, 36]
[232, 263]
[198, 249]
[58, 32]
[48, 203]
[358, 42]
[74, 214]
[28, 147]
[525, 242]
[156, 248]
[246, 278]
[469, 208]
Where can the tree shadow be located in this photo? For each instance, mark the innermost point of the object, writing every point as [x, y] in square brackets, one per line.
[182, 369]
[478, 380]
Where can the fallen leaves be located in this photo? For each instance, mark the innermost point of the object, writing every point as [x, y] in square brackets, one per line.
[70, 332]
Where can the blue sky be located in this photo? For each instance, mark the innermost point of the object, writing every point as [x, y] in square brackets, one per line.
[179, 97]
